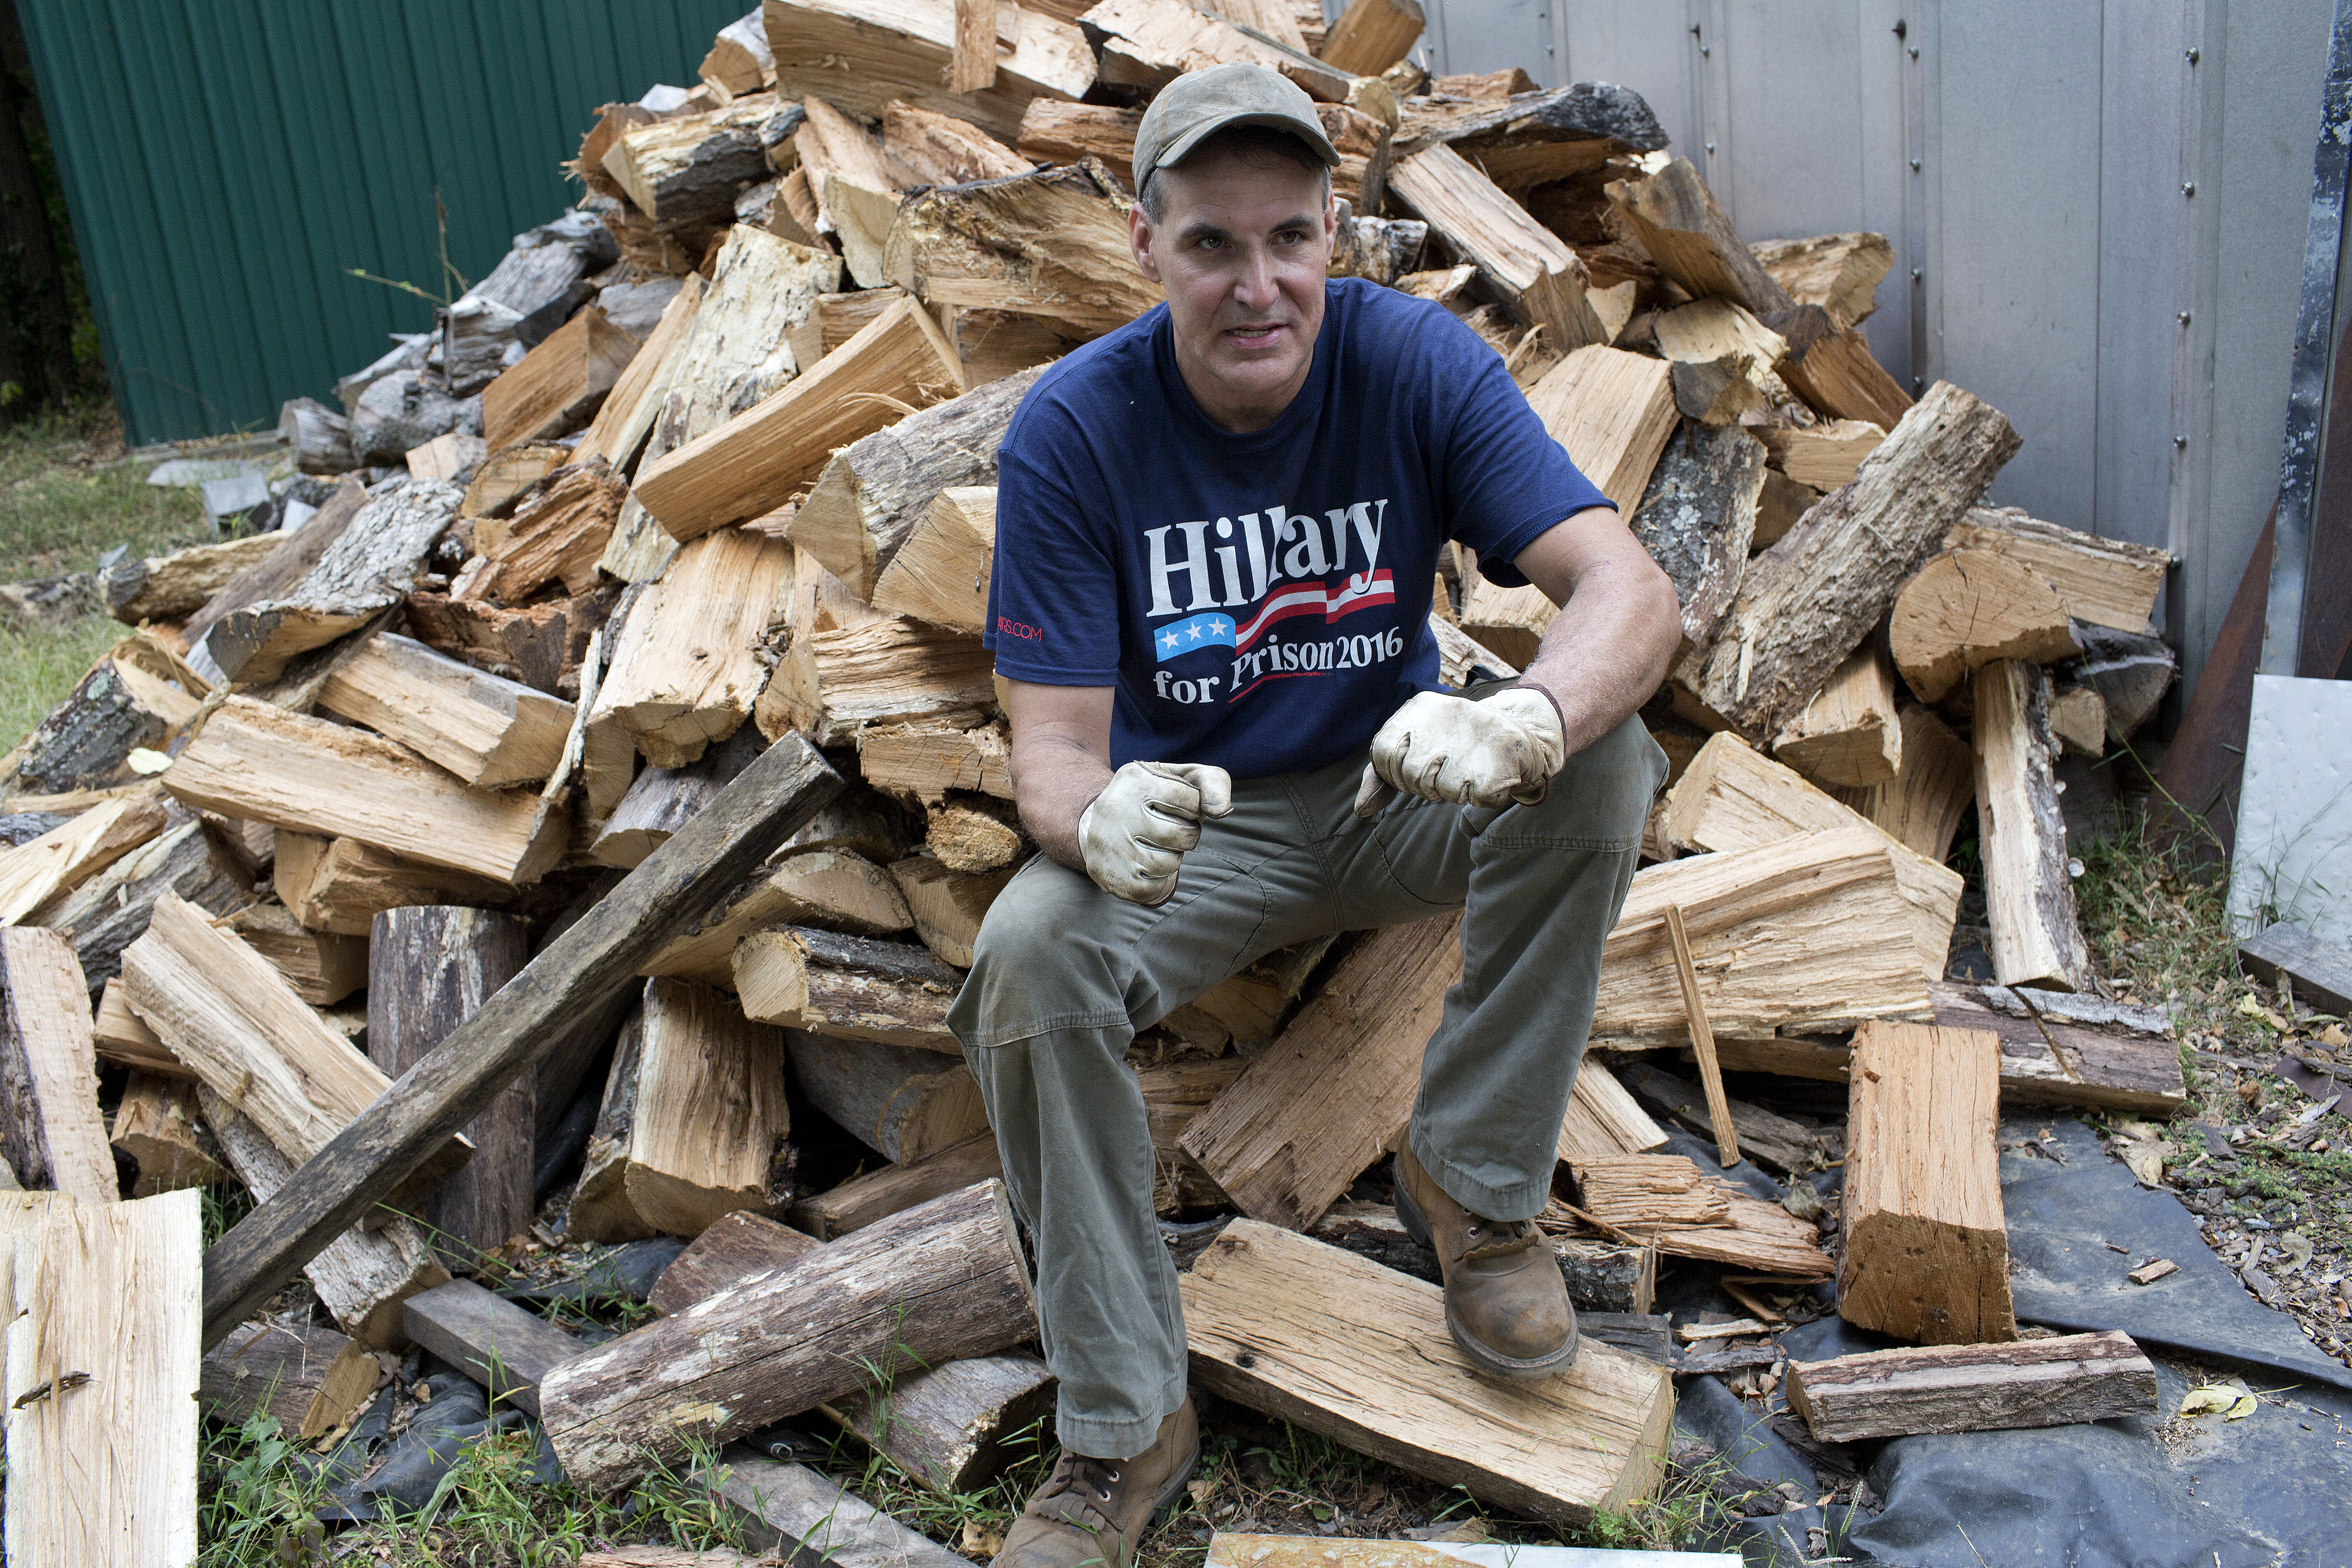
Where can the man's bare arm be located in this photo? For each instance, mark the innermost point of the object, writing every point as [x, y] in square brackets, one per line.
[1608, 649]
[1060, 761]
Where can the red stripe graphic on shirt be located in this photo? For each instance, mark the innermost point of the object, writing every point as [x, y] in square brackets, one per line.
[1317, 599]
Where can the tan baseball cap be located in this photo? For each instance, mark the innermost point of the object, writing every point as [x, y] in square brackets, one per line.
[1199, 103]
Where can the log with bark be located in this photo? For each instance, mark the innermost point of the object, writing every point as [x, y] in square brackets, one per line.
[340, 885]
[51, 865]
[830, 889]
[847, 986]
[1899, 1392]
[139, 696]
[2037, 935]
[1933, 787]
[947, 907]
[902, 1101]
[1146, 44]
[313, 1380]
[957, 1427]
[1697, 516]
[281, 568]
[832, 686]
[1831, 367]
[50, 1130]
[1372, 36]
[878, 1195]
[2102, 581]
[661, 800]
[942, 150]
[172, 587]
[1676, 219]
[865, 54]
[106, 914]
[730, 1251]
[1529, 137]
[1052, 132]
[121, 1038]
[1850, 733]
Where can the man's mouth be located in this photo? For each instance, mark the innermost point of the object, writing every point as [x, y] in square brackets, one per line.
[1256, 334]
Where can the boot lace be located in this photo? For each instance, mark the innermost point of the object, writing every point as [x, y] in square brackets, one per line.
[1497, 1237]
[1080, 1484]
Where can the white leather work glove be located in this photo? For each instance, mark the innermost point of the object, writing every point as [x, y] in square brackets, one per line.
[1446, 748]
[1135, 833]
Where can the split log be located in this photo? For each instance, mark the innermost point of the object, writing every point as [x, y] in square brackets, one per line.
[106, 914]
[2037, 937]
[863, 54]
[957, 1427]
[49, 1126]
[621, 425]
[1771, 1140]
[1933, 787]
[922, 762]
[556, 536]
[172, 587]
[340, 885]
[506, 1348]
[1697, 516]
[1603, 1120]
[1147, 43]
[945, 907]
[974, 64]
[976, 834]
[688, 167]
[1052, 244]
[260, 764]
[1535, 276]
[361, 1275]
[874, 493]
[321, 967]
[939, 1282]
[1808, 602]
[1321, 1102]
[157, 1128]
[1720, 332]
[685, 671]
[1926, 1248]
[940, 573]
[1744, 1232]
[793, 1510]
[1832, 368]
[1839, 272]
[105, 1342]
[1732, 798]
[833, 685]
[854, 188]
[1361, 177]
[942, 150]
[370, 566]
[572, 977]
[429, 968]
[54, 864]
[2103, 582]
[1593, 1437]
[448, 456]
[1372, 36]
[1642, 1192]
[693, 1121]
[1967, 608]
[121, 1037]
[281, 568]
[1973, 1388]
[489, 731]
[1529, 137]
[1053, 133]
[318, 437]
[1811, 933]
[731, 1249]
[878, 1195]
[86, 741]
[312, 1380]
[860, 821]
[847, 986]
[832, 890]
[901, 1101]
[1719, 390]
[755, 460]
[2131, 671]
[1849, 733]
[1781, 507]
[1674, 217]
[557, 387]
[221, 1009]
[661, 800]
[541, 645]
[739, 59]
[2078, 719]
[833, 318]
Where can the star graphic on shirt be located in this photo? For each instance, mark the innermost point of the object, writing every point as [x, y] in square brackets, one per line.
[1170, 641]
[1217, 627]
[1195, 630]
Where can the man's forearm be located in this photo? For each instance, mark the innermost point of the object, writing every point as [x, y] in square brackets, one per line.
[1054, 779]
[1608, 649]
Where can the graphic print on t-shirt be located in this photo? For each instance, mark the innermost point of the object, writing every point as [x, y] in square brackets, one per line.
[1303, 575]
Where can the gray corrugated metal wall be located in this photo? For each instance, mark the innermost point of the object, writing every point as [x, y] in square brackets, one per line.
[226, 161]
[2055, 247]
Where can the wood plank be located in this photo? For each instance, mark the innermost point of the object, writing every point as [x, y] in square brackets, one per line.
[878, 1194]
[1926, 1248]
[260, 764]
[44, 868]
[49, 1125]
[734, 1247]
[687, 671]
[311, 1379]
[2286, 954]
[1964, 609]
[506, 1348]
[939, 1282]
[1538, 277]
[2037, 936]
[2103, 582]
[570, 978]
[1973, 1388]
[1322, 1339]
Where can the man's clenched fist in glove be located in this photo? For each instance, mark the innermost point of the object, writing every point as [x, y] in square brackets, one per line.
[1136, 832]
[1488, 753]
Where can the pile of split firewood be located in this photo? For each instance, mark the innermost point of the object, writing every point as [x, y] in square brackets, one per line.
[688, 507]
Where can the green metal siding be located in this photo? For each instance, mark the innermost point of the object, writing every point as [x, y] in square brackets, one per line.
[228, 162]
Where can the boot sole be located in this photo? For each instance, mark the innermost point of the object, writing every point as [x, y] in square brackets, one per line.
[1510, 1369]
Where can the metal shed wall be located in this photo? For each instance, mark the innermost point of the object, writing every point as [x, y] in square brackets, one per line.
[228, 162]
[2047, 242]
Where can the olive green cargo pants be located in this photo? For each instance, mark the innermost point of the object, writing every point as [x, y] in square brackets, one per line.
[1065, 975]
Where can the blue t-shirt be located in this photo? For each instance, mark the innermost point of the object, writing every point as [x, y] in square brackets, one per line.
[1261, 602]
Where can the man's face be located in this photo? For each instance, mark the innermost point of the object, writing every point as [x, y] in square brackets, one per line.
[1241, 253]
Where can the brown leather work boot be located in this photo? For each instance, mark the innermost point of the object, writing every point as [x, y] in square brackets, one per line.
[1092, 1513]
[1506, 1301]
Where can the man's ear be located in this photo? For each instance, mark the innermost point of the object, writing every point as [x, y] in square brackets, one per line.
[1139, 239]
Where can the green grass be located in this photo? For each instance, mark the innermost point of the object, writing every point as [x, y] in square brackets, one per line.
[38, 668]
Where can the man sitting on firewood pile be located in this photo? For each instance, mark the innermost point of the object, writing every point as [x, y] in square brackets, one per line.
[1217, 534]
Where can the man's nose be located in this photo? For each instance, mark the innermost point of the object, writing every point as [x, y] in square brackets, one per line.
[1255, 287]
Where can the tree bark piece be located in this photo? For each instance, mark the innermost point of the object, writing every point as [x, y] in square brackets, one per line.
[312, 1380]
[847, 986]
[2037, 937]
[1840, 272]
[340, 885]
[2103, 582]
[1732, 798]
[1849, 734]
[693, 1121]
[260, 764]
[790, 1509]
[1973, 1388]
[1697, 518]
[1808, 602]
[1927, 1249]
[320, 438]
[572, 977]
[283, 567]
[1674, 217]
[863, 54]
[1320, 1104]
[753, 462]
[430, 968]
[1933, 787]
[1967, 608]
[734, 1247]
[833, 685]
[941, 1281]
[880, 1194]
[947, 907]
[1283, 1324]
[171, 587]
[489, 731]
[50, 1129]
[1372, 36]
[506, 1348]
[940, 573]
[1540, 279]
[685, 671]
[107, 912]
[157, 1128]
[49, 866]
[957, 1427]
[323, 968]
[901, 1101]
[873, 494]
[103, 1343]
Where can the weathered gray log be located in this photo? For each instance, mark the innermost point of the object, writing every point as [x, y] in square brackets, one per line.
[660, 801]
[85, 741]
[901, 1101]
[311, 1379]
[1973, 1388]
[430, 968]
[810, 1518]
[1587, 112]
[108, 913]
[1765, 1136]
[1697, 516]
[935, 1283]
[958, 1425]
[535, 1012]
[49, 1126]
[297, 552]
[735, 1247]
[404, 411]
[878, 1195]
[506, 1348]
[319, 437]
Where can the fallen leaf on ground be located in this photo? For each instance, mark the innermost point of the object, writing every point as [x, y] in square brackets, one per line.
[2253, 1008]
[2224, 1399]
[2146, 1161]
[979, 1540]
